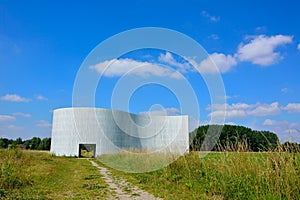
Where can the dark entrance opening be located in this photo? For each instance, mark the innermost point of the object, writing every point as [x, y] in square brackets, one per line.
[87, 150]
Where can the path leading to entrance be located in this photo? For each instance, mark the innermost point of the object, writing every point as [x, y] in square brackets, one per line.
[121, 189]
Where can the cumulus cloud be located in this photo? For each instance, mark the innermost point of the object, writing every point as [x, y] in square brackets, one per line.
[228, 111]
[119, 67]
[43, 123]
[215, 63]
[265, 109]
[21, 114]
[41, 98]
[210, 17]
[270, 122]
[241, 110]
[261, 49]
[286, 131]
[236, 106]
[169, 59]
[229, 114]
[292, 107]
[298, 47]
[282, 126]
[6, 118]
[14, 98]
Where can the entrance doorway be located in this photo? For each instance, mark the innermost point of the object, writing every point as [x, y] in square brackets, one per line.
[87, 150]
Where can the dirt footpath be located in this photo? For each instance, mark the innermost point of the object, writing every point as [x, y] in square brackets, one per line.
[121, 189]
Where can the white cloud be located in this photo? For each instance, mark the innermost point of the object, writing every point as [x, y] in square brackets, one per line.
[261, 29]
[169, 59]
[43, 123]
[213, 36]
[216, 62]
[232, 111]
[9, 128]
[226, 97]
[210, 17]
[284, 129]
[229, 114]
[6, 118]
[14, 98]
[241, 110]
[41, 97]
[298, 47]
[270, 122]
[119, 67]
[265, 109]
[283, 123]
[284, 90]
[12, 131]
[237, 106]
[232, 123]
[162, 112]
[13, 127]
[21, 114]
[261, 49]
[292, 107]
[231, 97]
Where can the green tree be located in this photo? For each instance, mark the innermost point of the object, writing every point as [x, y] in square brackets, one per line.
[3, 143]
[45, 144]
[32, 143]
[291, 147]
[19, 141]
[231, 136]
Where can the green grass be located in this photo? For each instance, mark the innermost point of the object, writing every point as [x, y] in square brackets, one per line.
[137, 162]
[38, 175]
[271, 175]
[226, 175]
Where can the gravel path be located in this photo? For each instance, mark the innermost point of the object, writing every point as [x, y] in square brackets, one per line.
[121, 189]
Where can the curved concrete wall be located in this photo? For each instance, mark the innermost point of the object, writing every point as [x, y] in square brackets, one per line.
[113, 130]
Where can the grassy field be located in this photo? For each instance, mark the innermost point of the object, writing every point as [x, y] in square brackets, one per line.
[223, 176]
[227, 175]
[38, 175]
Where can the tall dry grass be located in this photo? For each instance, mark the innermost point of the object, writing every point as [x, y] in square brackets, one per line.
[235, 173]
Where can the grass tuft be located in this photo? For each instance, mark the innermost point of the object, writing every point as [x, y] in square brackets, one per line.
[234, 173]
[40, 175]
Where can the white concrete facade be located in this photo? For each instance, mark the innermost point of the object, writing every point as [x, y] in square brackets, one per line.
[113, 130]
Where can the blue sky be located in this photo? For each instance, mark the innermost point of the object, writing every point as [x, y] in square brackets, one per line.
[255, 45]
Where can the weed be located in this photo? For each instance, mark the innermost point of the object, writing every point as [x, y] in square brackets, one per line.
[92, 186]
[234, 173]
[39, 175]
[93, 176]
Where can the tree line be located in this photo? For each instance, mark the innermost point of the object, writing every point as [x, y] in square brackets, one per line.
[231, 138]
[237, 138]
[34, 143]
